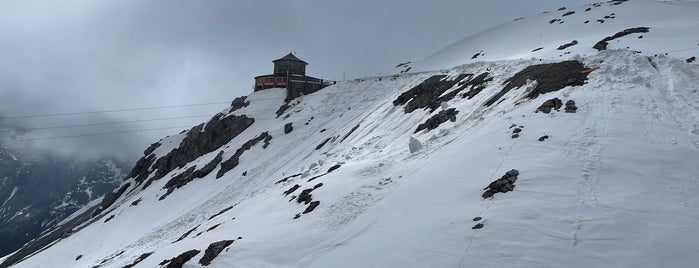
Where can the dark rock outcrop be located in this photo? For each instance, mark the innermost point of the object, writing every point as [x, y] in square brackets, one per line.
[239, 103]
[430, 93]
[543, 138]
[220, 212]
[288, 128]
[319, 146]
[181, 259]
[292, 189]
[546, 107]
[333, 168]
[567, 45]
[502, 185]
[285, 179]
[285, 106]
[311, 207]
[350, 132]
[570, 107]
[151, 148]
[200, 140]
[213, 250]
[602, 44]
[213, 227]
[550, 77]
[691, 59]
[437, 119]
[477, 226]
[305, 196]
[235, 159]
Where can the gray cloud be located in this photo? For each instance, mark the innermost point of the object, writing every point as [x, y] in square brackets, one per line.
[66, 56]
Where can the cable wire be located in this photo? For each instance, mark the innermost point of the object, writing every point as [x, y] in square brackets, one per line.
[112, 111]
[103, 124]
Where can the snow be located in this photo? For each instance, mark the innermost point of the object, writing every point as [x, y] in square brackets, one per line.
[614, 185]
[676, 21]
[12, 194]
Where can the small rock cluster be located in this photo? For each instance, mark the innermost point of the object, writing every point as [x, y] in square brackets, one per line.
[478, 225]
[546, 107]
[556, 104]
[502, 185]
[516, 130]
[437, 119]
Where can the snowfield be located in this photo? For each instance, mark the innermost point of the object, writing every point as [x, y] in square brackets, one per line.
[613, 185]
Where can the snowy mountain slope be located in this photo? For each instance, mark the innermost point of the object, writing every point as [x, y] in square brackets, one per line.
[673, 29]
[612, 185]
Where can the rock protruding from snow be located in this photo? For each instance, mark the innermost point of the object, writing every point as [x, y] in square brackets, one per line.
[546, 107]
[437, 119]
[414, 145]
[570, 107]
[233, 162]
[213, 250]
[431, 93]
[288, 128]
[550, 77]
[180, 260]
[200, 140]
[239, 103]
[602, 44]
[502, 185]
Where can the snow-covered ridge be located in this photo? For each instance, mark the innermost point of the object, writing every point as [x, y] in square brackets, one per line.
[674, 29]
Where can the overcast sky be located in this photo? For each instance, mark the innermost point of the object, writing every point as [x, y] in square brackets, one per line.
[72, 56]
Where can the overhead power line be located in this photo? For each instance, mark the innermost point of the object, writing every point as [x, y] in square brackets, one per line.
[92, 134]
[113, 110]
[103, 124]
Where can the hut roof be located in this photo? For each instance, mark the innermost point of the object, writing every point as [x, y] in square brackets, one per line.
[290, 57]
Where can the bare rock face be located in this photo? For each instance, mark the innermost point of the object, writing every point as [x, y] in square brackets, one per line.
[234, 160]
[200, 140]
[602, 44]
[502, 185]
[180, 260]
[288, 128]
[550, 77]
[239, 103]
[431, 93]
[213, 250]
[437, 119]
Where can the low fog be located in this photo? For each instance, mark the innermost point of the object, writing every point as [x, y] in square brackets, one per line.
[79, 56]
